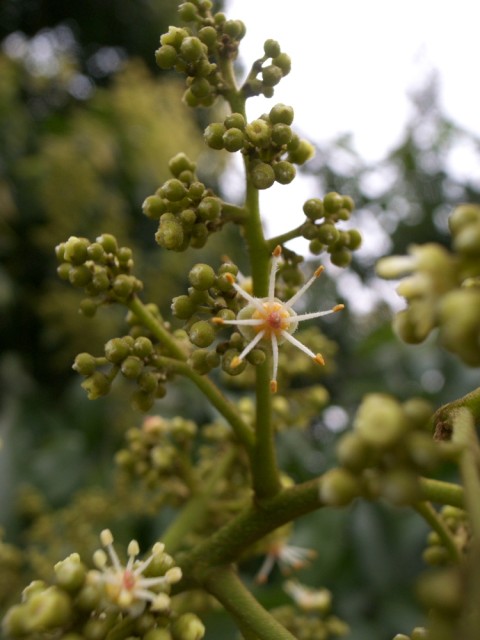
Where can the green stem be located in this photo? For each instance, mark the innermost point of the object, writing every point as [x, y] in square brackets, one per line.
[149, 321]
[233, 212]
[229, 411]
[426, 510]
[284, 237]
[195, 511]
[445, 415]
[464, 434]
[228, 589]
[442, 492]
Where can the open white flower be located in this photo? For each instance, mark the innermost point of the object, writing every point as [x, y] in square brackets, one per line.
[288, 557]
[272, 320]
[126, 586]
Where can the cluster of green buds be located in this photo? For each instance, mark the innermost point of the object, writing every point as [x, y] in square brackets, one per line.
[159, 453]
[134, 359]
[443, 288]
[310, 617]
[320, 227]
[269, 143]
[267, 71]
[196, 51]
[457, 523]
[390, 446]
[187, 211]
[105, 601]
[101, 268]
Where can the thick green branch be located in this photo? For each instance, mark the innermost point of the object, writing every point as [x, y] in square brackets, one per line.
[442, 492]
[284, 237]
[226, 586]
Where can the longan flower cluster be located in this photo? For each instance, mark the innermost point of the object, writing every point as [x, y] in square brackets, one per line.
[101, 268]
[160, 454]
[442, 288]
[321, 230]
[268, 142]
[100, 603]
[267, 71]
[195, 51]
[134, 359]
[457, 522]
[187, 211]
[390, 446]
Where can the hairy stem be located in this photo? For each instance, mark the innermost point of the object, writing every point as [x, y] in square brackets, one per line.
[226, 586]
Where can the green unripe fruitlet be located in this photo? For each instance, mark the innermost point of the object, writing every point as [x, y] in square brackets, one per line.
[202, 277]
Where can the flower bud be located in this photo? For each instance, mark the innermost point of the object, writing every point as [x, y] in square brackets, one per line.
[75, 250]
[233, 139]
[271, 75]
[202, 277]
[108, 242]
[262, 175]
[341, 257]
[116, 350]
[281, 134]
[192, 49]
[353, 452]
[284, 62]
[166, 56]
[380, 420]
[281, 113]
[313, 208]
[153, 207]
[96, 385]
[209, 208]
[338, 487]
[284, 172]
[208, 35]
[187, 627]
[202, 333]
[132, 367]
[85, 364]
[180, 162]
[214, 135]
[303, 152]
[183, 307]
[464, 216]
[259, 133]
[80, 276]
[47, 609]
[142, 400]
[70, 573]
[158, 634]
[170, 235]
[235, 121]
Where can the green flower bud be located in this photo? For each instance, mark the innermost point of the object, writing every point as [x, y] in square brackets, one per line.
[271, 48]
[147, 381]
[202, 277]
[192, 49]
[188, 218]
[96, 385]
[418, 411]
[70, 573]
[281, 134]
[116, 350]
[262, 175]
[442, 590]
[348, 203]
[170, 235]
[458, 320]
[85, 364]
[63, 270]
[100, 280]
[208, 35]
[341, 257]
[173, 190]
[328, 233]
[332, 202]
[166, 56]
[132, 367]
[88, 307]
[313, 208]
[233, 139]
[284, 172]
[196, 191]
[214, 135]
[75, 250]
[187, 627]
[188, 12]
[142, 400]
[380, 420]
[199, 361]
[183, 307]
[401, 487]
[302, 153]
[316, 247]
[202, 333]
[235, 29]
[354, 239]
[181, 162]
[158, 634]
[123, 286]
[353, 452]
[143, 347]
[229, 356]
[209, 208]
[47, 610]
[271, 75]
[153, 207]
[235, 121]
[284, 62]
[259, 133]
[201, 88]
[281, 113]
[435, 555]
[174, 36]
[463, 217]
[199, 235]
[256, 357]
[15, 621]
[338, 487]
[80, 276]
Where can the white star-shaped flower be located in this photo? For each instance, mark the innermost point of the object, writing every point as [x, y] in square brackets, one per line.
[126, 586]
[269, 319]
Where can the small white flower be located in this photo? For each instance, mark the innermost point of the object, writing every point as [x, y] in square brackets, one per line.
[126, 585]
[272, 320]
[288, 557]
[309, 599]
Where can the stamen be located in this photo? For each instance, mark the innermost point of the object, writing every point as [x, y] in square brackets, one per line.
[273, 271]
[273, 381]
[251, 345]
[306, 286]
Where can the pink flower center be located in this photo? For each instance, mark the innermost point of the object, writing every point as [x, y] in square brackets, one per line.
[128, 580]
